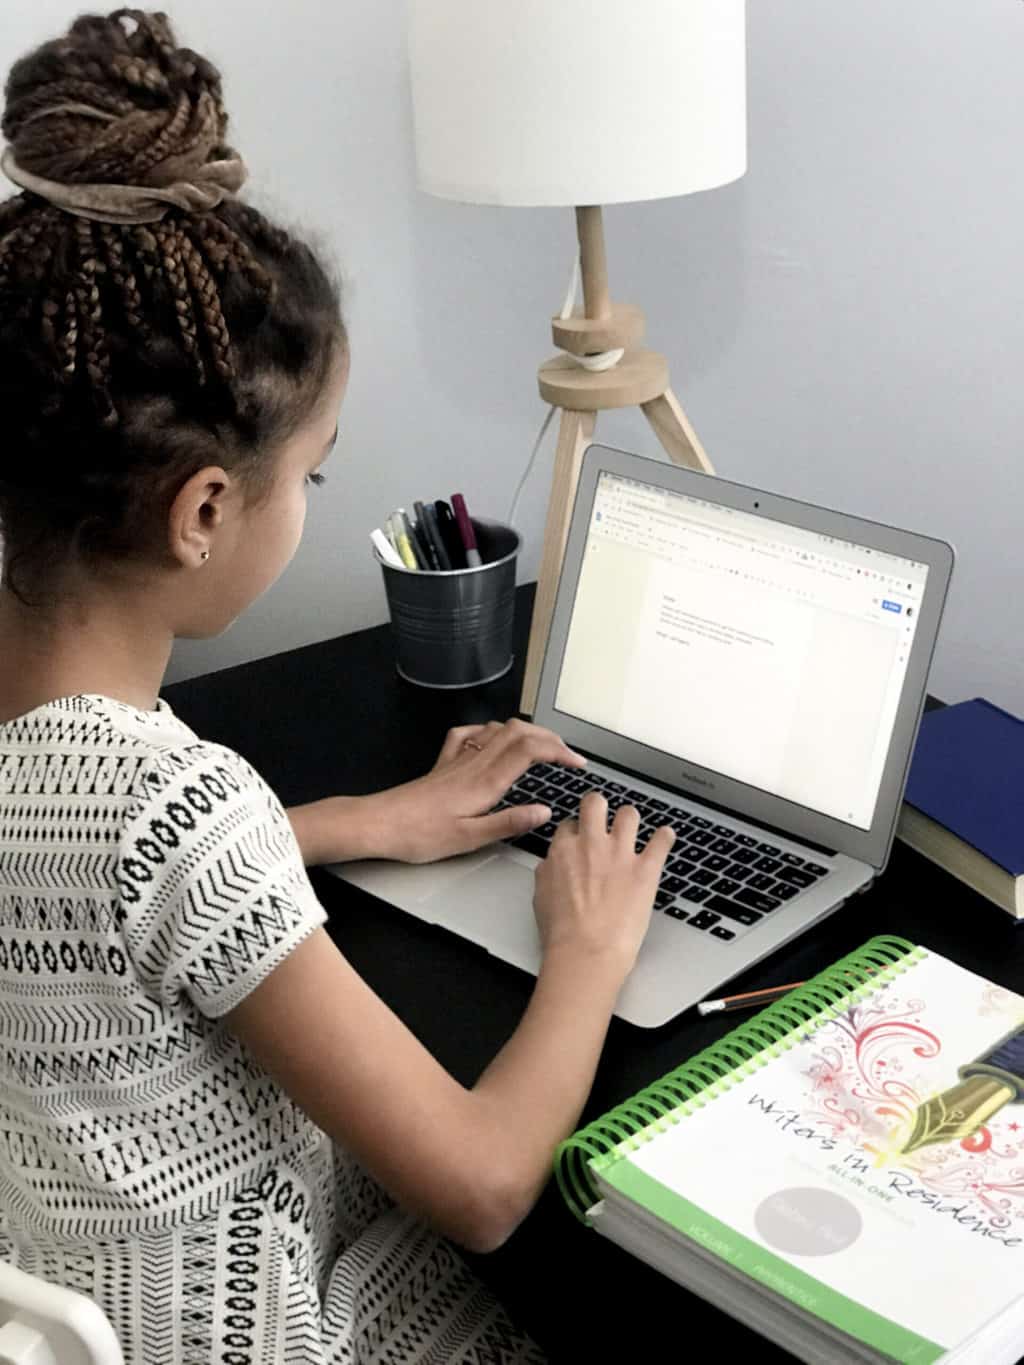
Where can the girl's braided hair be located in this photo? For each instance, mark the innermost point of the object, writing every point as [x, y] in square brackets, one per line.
[131, 356]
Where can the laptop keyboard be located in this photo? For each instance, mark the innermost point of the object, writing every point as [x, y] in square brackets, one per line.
[717, 880]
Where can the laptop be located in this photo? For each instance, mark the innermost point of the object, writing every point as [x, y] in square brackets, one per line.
[751, 669]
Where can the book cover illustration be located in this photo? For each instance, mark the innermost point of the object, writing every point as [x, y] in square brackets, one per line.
[871, 1084]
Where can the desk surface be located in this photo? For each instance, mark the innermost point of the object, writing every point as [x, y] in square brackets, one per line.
[334, 718]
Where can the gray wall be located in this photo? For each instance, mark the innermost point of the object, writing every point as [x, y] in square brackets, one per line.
[845, 324]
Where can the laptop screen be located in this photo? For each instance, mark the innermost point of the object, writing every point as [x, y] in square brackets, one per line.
[762, 651]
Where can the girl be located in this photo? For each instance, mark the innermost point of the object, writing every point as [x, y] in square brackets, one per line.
[208, 1122]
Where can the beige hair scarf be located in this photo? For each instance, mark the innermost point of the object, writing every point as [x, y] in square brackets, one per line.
[207, 186]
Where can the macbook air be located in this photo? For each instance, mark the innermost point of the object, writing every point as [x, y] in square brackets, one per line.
[748, 668]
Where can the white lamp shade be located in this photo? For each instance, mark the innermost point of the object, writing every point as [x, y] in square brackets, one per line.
[567, 102]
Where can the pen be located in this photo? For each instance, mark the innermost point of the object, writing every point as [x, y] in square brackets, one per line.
[419, 559]
[423, 531]
[751, 1000]
[404, 548]
[449, 530]
[993, 1080]
[473, 559]
[434, 536]
[385, 549]
[419, 542]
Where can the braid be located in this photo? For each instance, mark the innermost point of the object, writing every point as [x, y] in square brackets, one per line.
[206, 294]
[22, 246]
[154, 150]
[259, 230]
[94, 354]
[227, 248]
[53, 130]
[123, 277]
[157, 28]
[68, 342]
[116, 149]
[49, 310]
[36, 103]
[169, 244]
[146, 247]
[39, 260]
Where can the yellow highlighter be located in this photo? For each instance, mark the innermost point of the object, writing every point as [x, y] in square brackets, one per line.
[402, 542]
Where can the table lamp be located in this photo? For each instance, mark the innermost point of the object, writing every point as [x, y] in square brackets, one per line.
[577, 104]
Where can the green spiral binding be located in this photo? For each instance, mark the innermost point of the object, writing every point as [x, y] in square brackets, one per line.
[703, 1078]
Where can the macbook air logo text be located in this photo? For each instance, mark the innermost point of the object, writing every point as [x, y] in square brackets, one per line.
[697, 781]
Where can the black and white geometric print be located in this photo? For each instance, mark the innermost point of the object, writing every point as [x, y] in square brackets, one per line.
[148, 883]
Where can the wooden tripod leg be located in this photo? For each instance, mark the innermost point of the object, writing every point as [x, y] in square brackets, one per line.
[574, 435]
[673, 430]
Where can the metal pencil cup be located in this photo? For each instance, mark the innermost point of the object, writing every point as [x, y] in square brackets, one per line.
[454, 629]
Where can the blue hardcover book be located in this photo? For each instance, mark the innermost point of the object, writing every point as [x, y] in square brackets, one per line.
[965, 798]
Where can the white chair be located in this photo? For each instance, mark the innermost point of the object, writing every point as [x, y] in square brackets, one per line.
[45, 1324]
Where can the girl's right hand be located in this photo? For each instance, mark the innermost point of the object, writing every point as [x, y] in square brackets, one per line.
[594, 893]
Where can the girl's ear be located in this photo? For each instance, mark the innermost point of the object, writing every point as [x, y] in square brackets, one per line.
[196, 515]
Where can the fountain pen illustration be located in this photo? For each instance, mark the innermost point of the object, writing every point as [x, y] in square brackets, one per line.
[987, 1084]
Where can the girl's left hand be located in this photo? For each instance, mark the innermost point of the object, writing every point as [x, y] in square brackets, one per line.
[451, 809]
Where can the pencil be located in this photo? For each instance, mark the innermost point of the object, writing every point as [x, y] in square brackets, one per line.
[753, 999]
[750, 1001]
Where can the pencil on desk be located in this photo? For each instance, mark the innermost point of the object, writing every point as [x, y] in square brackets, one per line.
[750, 1001]
[753, 1000]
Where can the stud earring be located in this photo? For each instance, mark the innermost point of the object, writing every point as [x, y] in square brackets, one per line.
[205, 556]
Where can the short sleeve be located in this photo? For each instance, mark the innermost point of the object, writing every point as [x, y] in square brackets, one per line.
[212, 889]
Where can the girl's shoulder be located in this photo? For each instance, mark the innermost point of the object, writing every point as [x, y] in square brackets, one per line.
[93, 720]
[94, 746]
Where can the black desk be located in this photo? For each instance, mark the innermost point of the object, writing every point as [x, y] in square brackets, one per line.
[334, 718]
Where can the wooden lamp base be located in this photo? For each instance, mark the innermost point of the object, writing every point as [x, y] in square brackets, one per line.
[640, 379]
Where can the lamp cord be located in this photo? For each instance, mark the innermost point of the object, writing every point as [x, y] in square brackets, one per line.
[604, 360]
[548, 416]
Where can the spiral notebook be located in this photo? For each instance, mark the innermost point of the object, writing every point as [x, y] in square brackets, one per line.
[807, 1175]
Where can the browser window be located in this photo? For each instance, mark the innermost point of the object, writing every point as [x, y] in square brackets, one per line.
[764, 652]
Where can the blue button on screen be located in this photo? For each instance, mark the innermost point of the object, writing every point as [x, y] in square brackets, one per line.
[892, 606]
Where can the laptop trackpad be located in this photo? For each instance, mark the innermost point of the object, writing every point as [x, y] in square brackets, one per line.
[492, 906]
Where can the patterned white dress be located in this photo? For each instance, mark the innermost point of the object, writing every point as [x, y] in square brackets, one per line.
[148, 882]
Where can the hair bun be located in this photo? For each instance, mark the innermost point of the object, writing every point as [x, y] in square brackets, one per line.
[115, 101]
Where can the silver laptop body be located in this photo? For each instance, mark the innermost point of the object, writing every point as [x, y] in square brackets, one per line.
[753, 666]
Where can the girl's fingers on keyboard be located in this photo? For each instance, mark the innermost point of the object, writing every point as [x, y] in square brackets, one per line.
[593, 895]
[512, 822]
[659, 846]
[521, 745]
[626, 823]
[568, 828]
[593, 816]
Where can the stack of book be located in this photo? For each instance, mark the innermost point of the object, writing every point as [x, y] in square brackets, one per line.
[964, 805]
